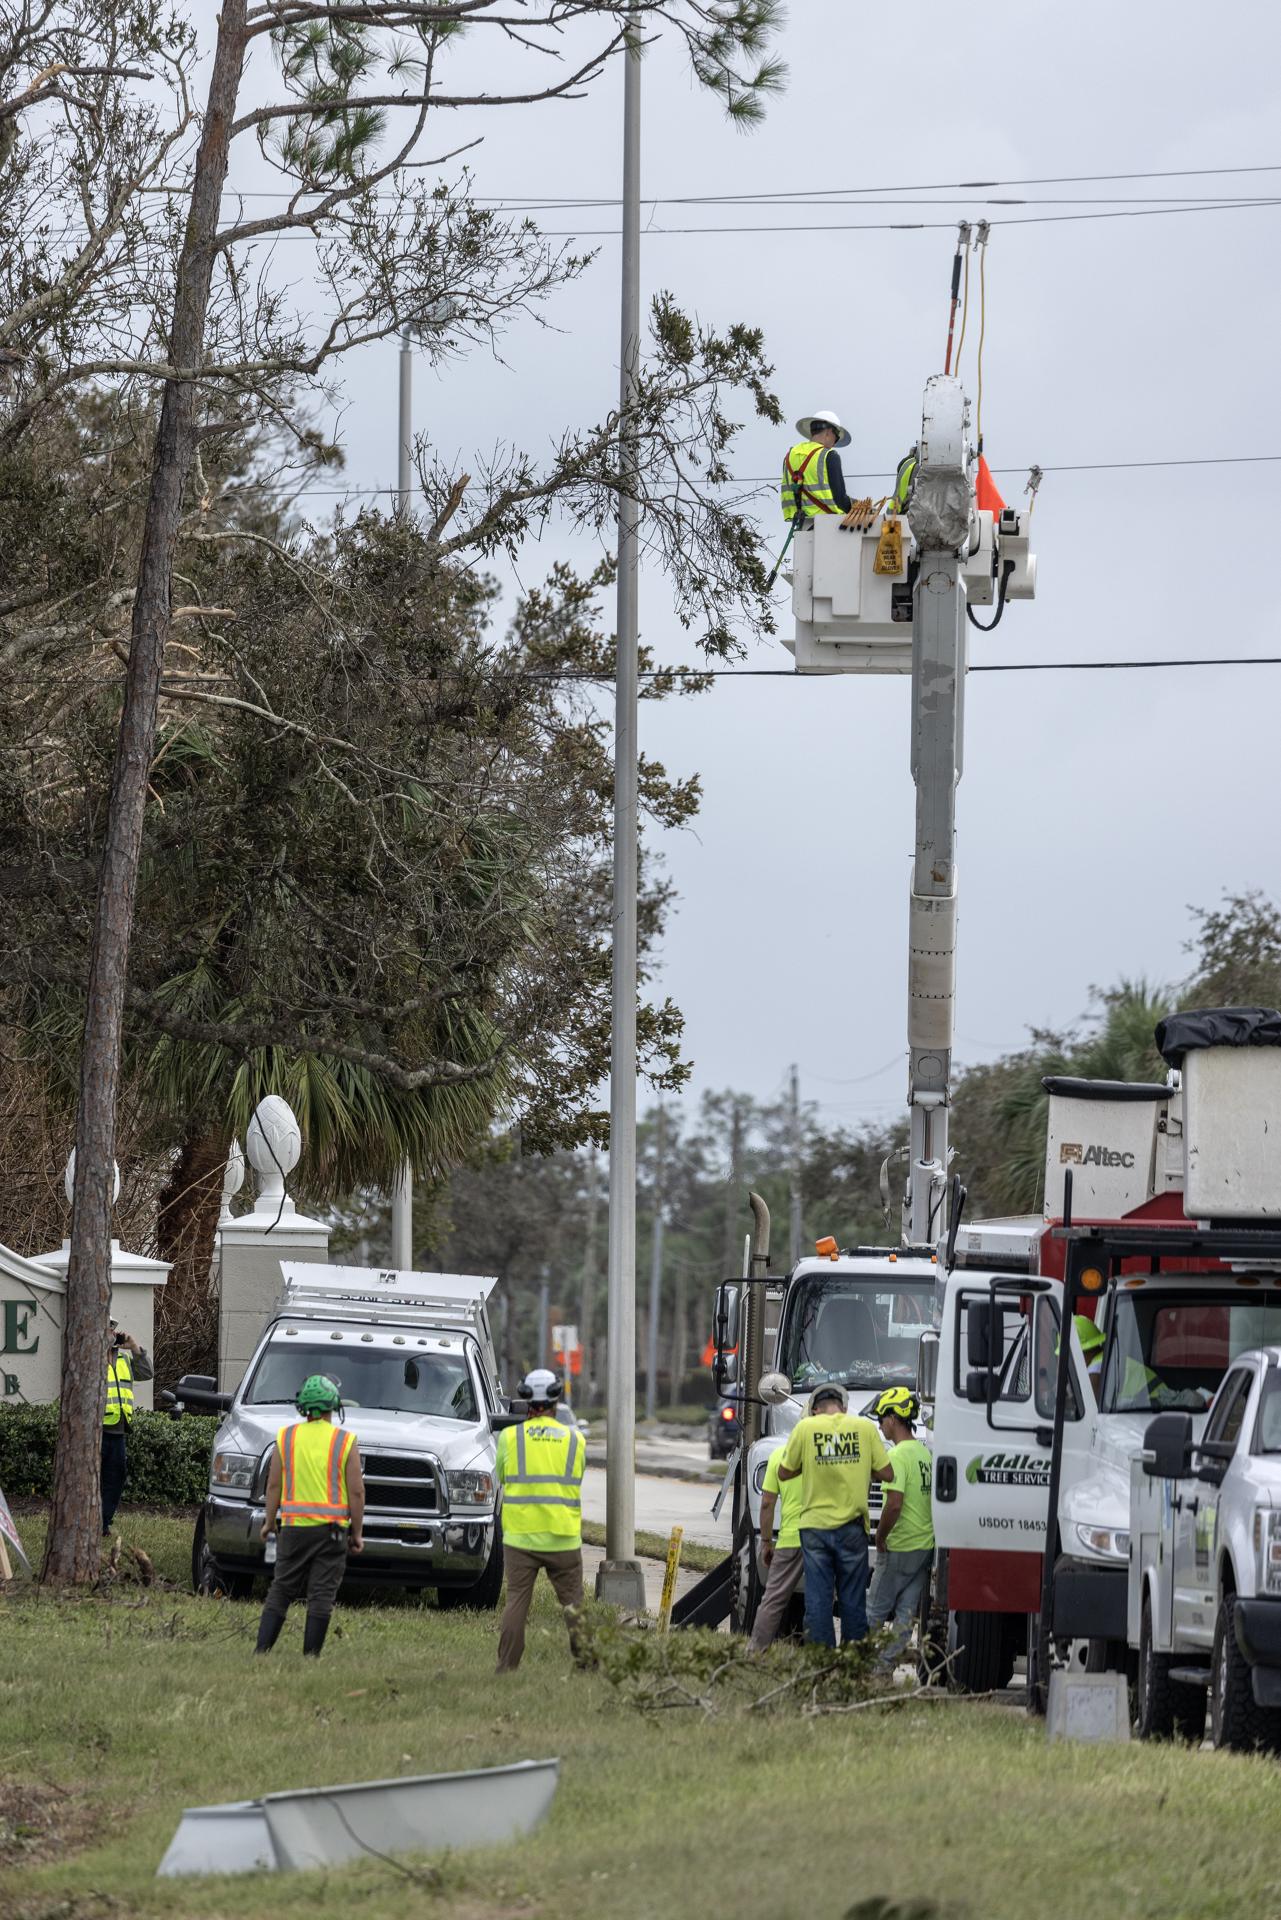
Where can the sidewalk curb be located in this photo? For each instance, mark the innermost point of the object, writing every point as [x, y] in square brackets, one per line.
[596, 1458]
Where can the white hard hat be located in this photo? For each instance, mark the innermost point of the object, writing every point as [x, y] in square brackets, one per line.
[827, 1390]
[828, 419]
[541, 1386]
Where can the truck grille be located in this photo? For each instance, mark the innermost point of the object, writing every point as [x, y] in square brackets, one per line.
[401, 1482]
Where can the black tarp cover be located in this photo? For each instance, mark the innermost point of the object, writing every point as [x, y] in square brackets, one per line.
[1181, 1033]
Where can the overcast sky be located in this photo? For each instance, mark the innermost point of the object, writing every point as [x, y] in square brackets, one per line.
[1094, 807]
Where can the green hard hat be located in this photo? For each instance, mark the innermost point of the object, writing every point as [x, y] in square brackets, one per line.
[1090, 1336]
[318, 1394]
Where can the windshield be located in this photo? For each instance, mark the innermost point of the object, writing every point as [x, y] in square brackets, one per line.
[1171, 1351]
[438, 1384]
[1268, 1430]
[864, 1332]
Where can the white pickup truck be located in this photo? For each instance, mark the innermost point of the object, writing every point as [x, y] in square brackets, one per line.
[1204, 1609]
[413, 1357]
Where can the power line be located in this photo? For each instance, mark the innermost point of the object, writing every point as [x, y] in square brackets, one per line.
[768, 479]
[910, 226]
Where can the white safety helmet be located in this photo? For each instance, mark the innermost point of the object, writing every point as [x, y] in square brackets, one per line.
[826, 418]
[540, 1386]
[827, 1390]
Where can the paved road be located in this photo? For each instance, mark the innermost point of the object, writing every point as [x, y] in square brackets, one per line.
[662, 1504]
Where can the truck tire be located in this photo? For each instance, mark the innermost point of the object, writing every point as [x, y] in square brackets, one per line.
[483, 1595]
[983, 1651]
[208, 1577]
[747, 1588]
[1164, 1709]
[1236, 1721]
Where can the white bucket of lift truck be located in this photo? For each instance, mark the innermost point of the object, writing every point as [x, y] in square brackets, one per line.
[1232, 1133]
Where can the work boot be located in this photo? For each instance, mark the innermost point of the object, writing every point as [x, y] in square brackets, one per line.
[269, 1629]
[313, 1634]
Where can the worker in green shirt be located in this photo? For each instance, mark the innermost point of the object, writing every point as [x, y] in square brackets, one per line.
[784, 1561]
[905, 1532]
[834, 1454]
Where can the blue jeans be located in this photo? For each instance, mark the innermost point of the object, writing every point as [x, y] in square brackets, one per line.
[835, 1581]
[896, 1594]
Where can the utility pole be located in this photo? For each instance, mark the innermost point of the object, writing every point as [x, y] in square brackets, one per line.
[731, 1192]
[402, 1196]
[656, 1268]
[794, 1210]
[619, 1578]
[587, 1310]
[544, 1305]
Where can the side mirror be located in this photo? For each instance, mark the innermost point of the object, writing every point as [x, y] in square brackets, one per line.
[980, 1387]
[1167, 1447]
[985, 1335]
[927, 1365]
[774, 1389]
[724, 1371]
[198, 1392]
[725, 1336]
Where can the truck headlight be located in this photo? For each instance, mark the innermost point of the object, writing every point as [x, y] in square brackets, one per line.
[470, 1489]
[1267, 1548]
[234, 1471]
[1108, 1542]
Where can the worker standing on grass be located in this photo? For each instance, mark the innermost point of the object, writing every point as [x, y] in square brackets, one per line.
[834, 1454]
[540, 1469]
[905, 1531]
[784, 1560]
[126, 1362]
[316, 1486]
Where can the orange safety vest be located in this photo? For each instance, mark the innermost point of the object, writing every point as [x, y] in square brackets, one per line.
[313, 1474]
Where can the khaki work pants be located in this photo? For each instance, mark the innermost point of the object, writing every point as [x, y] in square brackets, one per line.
[786, 1571]
[564, 1570]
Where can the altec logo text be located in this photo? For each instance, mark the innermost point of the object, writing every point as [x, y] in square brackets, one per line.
[1072, 1153]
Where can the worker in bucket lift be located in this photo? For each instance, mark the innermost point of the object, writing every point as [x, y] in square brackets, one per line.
[905, 1531]
[540, 1469]
[316, 1486]
[813, 482]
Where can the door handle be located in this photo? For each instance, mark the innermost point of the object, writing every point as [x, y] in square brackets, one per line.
[1186, 1506]
[945, 1478]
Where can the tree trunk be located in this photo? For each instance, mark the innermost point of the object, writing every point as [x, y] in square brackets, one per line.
[75, 1519]
[187, 1307]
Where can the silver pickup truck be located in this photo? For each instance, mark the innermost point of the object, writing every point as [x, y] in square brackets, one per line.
[1205, 1564]
[416, 1367]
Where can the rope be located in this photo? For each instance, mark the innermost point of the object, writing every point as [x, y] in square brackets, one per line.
[982, 246]
[965, 310]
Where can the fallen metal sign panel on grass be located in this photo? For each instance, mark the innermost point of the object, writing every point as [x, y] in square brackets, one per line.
[329, 1826]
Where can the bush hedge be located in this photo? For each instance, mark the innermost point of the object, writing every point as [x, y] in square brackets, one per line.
[168, 1459]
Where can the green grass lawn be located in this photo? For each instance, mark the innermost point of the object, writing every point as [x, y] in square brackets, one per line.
[115, 1713]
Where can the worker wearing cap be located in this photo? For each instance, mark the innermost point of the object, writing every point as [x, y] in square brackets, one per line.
[126, 1362]
[316, 1488]
[813, 482]
[835, 1455]
[784, 1560]
[540, 1469]
[905, 1531]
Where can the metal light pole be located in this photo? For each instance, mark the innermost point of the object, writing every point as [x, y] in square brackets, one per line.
[402, 1196]
[619, 1578]
[656, 1270]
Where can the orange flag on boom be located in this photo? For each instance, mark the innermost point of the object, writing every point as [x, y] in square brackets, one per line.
[989, 500]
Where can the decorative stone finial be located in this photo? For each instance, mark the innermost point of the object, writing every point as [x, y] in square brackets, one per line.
[233, 1180]
[69, 1179]
[274, 1146]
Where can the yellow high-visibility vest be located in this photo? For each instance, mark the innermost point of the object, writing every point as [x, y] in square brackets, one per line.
[313, 1474]
[540, 1464]
[804, 489]
[119, 1408]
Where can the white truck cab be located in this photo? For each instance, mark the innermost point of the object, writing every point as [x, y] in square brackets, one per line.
[1204, 1589]
[413, 1357]
[855, 1316]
